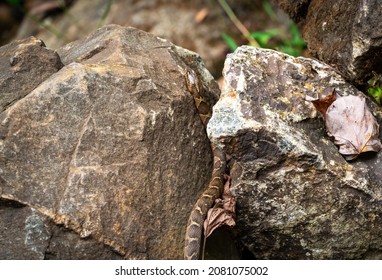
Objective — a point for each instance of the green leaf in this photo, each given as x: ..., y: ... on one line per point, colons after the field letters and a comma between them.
x: 263, y: 37
x: 231, y: 43
x: 290, y: 50
x: 376, y: 93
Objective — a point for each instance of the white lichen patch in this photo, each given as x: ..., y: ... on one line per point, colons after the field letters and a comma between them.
x: 227, y: 119
x: 359, y: 46
x: 153, y: 114
x: 358, y: 182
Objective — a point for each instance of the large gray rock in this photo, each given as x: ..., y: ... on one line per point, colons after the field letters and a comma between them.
x: 297, y: 197
x: 344, y: 33
x: 110, y: 147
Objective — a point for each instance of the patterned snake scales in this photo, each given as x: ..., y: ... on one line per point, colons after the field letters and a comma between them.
x: 214, y: 190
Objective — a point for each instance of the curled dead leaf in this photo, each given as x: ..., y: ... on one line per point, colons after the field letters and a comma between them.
x: 349, y: 121
x: 354, y: 128
x: 223, y: 212
x: 322, y: 102
x: 218, y: 217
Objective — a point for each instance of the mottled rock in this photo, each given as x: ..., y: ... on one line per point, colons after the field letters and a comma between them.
x: 297, y: 197
x: 24, y: 64
x: 110, y: 147
x: 343, y: 33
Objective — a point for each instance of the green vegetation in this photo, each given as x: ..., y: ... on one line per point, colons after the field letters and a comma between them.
x: 231, y: 43
x: 15, y: 3
x: 375, y: 87
x: 289, y: 41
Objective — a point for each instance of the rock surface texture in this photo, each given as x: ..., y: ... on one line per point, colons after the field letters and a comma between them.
x: 105, y: 158
x: 297, y: 197
x: 343, y: 33
x: 24, y: 65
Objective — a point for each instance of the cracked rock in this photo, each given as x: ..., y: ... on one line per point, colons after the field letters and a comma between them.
x: 110, y: 148
x: 297, y: 197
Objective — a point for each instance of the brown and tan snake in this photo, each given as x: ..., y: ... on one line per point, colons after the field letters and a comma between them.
x: 193, y: 238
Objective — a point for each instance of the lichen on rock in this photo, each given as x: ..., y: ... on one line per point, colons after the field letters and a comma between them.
x: 297, y: 197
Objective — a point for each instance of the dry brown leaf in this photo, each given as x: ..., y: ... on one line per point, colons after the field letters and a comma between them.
x: 217, y: 217
x: 201, y: 15
x: 354, y: 128
x: 322, y: 102
x: 350, y: 122
x: 223, y: 212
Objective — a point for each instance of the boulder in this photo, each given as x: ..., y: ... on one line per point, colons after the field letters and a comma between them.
x: 297, y: 197
x: 108, y: 155
x: 344, y: 33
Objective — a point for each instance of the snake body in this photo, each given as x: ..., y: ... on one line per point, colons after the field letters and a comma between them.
x: 193, y: 238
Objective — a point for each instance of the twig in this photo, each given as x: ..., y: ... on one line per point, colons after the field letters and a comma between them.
x: 238, y: 23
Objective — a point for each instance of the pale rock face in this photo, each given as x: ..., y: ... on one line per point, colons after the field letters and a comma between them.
x: 297, y: 197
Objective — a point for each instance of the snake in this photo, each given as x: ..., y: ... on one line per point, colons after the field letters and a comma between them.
x: 214, y: 190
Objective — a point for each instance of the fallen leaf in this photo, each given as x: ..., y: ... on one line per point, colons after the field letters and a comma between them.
x: 201, y: 15
x: 223, y: 212
x: 354, y: 128
x: 349, y: 121
x: 322, y: 102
